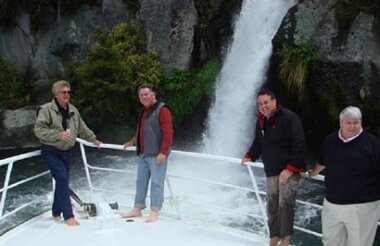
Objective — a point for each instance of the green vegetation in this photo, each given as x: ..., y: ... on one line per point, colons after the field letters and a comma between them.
x: 108, y: 78
x: 319, y: 111
x: 105, y: 82
x: 184, y: 89
x: 206, y: 11
x: 334, y: 101
x: 209, y: 9
x: 295, y: 63
x: 15, y: 87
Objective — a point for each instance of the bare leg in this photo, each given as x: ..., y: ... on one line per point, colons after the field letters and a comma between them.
x: 285, y: 241
x: 135, y: 212
x: 152, y: 217
x: 72, y: 222
x: 274, y: 241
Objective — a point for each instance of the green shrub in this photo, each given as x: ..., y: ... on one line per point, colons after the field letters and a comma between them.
x: 295, y: 62
x: 334, y: 100
x: 15, y: 87
x: 105, y: 83
x: 184, y: 89
x: 107, y: 80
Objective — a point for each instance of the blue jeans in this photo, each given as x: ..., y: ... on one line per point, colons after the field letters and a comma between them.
x: 58, y: 163
x: 148, y: 168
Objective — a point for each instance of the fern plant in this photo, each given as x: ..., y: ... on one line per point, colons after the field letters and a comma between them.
x: 295, y: 62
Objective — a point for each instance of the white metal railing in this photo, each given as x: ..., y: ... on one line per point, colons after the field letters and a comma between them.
x: 254, y: 190
x: 233, y: 160
x: 10, y: 163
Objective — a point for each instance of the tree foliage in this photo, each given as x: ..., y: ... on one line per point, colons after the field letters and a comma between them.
x: 15, y: 87
x: 108, y: 78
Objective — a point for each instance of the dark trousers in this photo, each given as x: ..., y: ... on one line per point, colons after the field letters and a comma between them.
x: 281, y: 200
x: 58, y: 163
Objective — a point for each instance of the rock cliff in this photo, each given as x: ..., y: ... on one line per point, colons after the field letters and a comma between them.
x: 348, y: 71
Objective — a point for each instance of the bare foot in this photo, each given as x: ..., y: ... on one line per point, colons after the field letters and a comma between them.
x: 72, y: 222
x: 285, y: 241
x: 136, y: 212
x: 152, y: 217
x: 274, y: 241
x: 57, y: 218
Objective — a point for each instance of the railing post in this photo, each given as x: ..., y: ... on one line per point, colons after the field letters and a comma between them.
x: 173, y: 198
x: 258, y: 197
x: 85, y: 163
x: 6, y: 184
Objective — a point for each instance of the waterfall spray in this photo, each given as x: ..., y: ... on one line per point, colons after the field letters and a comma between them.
x: 231, y: 117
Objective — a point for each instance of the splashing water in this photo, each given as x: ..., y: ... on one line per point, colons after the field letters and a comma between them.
x: 231, y: 118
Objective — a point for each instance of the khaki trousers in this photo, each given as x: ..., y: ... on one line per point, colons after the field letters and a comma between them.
x: 351, y: 224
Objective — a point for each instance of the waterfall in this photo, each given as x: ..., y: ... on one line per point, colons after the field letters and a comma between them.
x: 231, y: 118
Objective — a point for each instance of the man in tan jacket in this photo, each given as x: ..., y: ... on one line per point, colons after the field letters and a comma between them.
x: 57, y: 126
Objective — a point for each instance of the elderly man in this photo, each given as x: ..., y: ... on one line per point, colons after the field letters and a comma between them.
x: 280, y: 141
x: 57, y: 126
x: 154, y: 138
x: 351, y: 160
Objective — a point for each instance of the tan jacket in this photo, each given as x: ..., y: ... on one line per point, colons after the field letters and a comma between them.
x: 49, y: 124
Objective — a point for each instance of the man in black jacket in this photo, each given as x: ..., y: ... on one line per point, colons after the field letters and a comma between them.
x: 280, y: 141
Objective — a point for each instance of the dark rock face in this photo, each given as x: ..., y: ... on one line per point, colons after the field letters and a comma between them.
x: 66, y: 38
x: 347, y: 73
x: 169, y: 28
x: 17, y: 128
x: 357, y: 44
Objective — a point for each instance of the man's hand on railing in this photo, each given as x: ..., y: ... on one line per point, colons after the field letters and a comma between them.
x: 315, y: 170
x: 131, y: 142
x: 97, y: 143
x: 246, y: 158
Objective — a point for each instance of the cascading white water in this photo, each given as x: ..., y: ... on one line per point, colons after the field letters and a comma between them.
x: 231, y: 118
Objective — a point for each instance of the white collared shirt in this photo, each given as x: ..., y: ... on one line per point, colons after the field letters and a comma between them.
x: 346, y: 140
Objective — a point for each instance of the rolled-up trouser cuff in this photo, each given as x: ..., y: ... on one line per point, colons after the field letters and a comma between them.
x: 140, y: 205
x: 155, y: 209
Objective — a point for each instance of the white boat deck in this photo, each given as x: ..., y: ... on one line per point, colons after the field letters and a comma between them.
x: 42, y: 230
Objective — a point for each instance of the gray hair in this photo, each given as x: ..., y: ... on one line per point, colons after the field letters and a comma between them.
x: 58, y: 85
x: 350, y: 112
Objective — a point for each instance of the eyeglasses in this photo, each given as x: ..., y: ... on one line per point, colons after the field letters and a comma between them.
x: 65, y: 92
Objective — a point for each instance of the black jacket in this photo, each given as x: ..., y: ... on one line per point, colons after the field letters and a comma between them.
x: 280, y: 141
